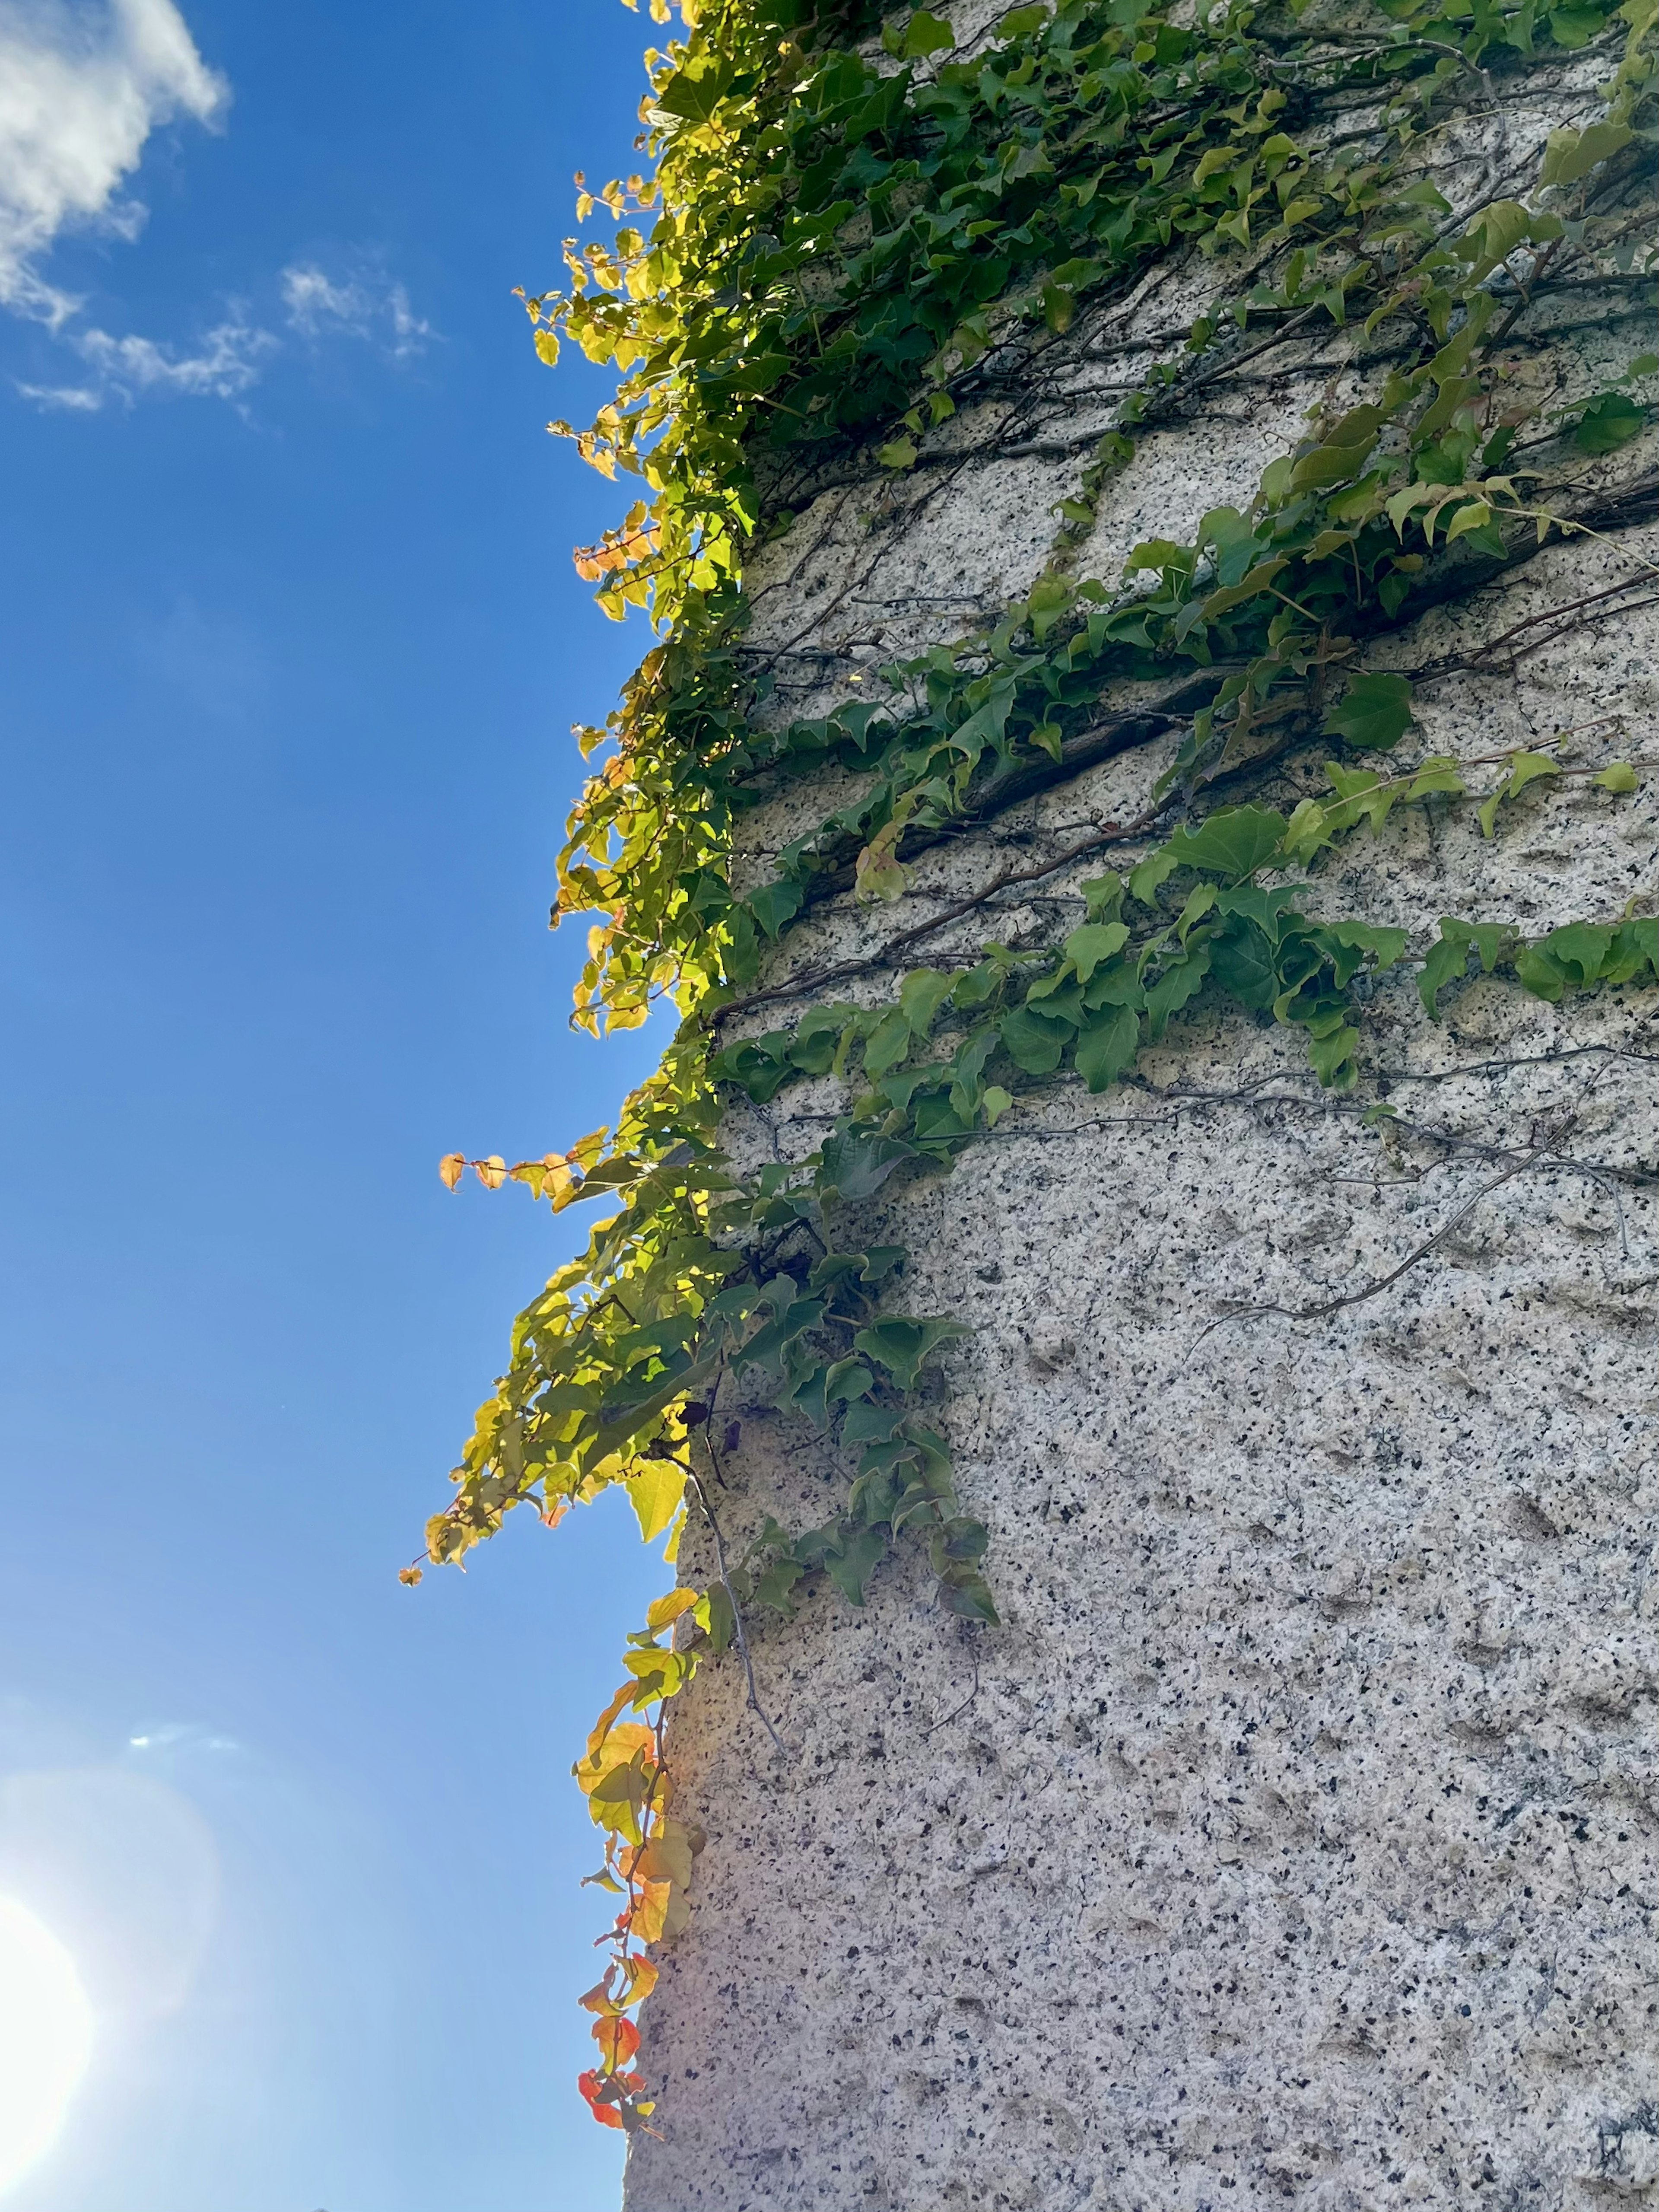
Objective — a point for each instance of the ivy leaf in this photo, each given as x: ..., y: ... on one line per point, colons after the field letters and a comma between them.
x: 1241, y: 961
x: 1568, y: 958
x: 1309, y: 830
x: 774, y: 1586
x: 1571, y: 154
x: 888, y: 1043
x: 1181, y: 981
x: 1610, y: 421
x: 1524, y: 768
x: 1331, y: 1050
x: 901, y: 1346
x: 1375, y: 711
x: 925, y: 35
x: 965, y: 1592
x: 1155, y: 869
x: 1448, y: 959
x: 1438, y: 773
x: 720, y: 1625
x: 1381, y: 946
x: 776, y: 903
x: 1362, y: 795
x: 619, y: 1427
x: 855, y: 1167
x: 1493, y: 236
x: 1234, y: 842
x: 1087, y: 947
x: 1103, y: 895
x: 879, y: 874
x: 921, y: 995
x: 695, y: 91
x: 1234, y: 595
x: 867, y: 1424
x: 766, y: 1347
x: 1033, y: 1040
x: 1108, y: 1046
x: 1620, y: 777
x: 1572, y: 27
x: 1475, y: 516
x: 851, y: 1567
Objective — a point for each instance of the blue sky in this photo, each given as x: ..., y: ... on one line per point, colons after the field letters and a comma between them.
x: 289, y: 651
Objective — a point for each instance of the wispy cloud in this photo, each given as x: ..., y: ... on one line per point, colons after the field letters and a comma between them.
x: 226, y: 365
x: 81, y: 86
x: 72, y: 398
x: 357, y: 307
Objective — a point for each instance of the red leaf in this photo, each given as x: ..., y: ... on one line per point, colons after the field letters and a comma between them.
x: 605, y: 2114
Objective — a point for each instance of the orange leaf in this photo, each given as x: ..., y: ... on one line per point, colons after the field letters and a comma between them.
x: 602, y: 2109
x: 646, y: 1921
x: 452, y: 1167
x: 492, y: 1172
x: 618, y: 2039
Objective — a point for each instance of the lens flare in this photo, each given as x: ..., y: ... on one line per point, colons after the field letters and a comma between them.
x: 46, y: 2038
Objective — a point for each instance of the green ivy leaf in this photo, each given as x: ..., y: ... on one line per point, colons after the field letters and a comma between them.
x: 1375, y: 711
x: 695, y: 93
x: 1241, y: 961
x: 850, y: 1567
x: 965, y: 1592
x: 1448, y: 959
x: 921, y: 995
x: 1610, y: 421
x: 1157, y: 866
x: 1034, y: 1041
x: 1331, y: 1052
x: 901, y: 1346
x: 1108, y: 1046
x: 1571, y: 154
x: 1233, y: 842
x: 1573, y: 28
x: 1087, y: 947
x: 855, y: 1167
x: 1524, y: 768
x: 1620, y: 777
x: 776, y: 903
x: 925, y: 35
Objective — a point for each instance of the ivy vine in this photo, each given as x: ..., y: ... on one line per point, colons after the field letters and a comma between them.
x: 852, y: 228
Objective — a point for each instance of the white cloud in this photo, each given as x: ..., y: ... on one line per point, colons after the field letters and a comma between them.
x: 355, y: 307
x: 74, y: 398
x: 226, y: 365
x: 81, y: 86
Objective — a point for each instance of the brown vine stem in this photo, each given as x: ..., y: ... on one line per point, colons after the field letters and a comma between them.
x: 737, y: 1635
x: 1109, y: 833
x: 956, y: 1712
x: 1538, y: 1151
x: 1433, y: 671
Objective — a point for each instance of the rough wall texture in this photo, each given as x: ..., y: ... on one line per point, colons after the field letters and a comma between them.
x: 1295, y: 1838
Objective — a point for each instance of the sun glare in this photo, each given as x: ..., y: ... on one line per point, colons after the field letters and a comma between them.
x: 46, y: 2038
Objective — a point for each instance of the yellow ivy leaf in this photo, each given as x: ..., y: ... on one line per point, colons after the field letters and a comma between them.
x: 656, y: 1490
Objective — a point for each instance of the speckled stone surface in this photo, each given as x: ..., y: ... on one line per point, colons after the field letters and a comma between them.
x: 1296, y: 1838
